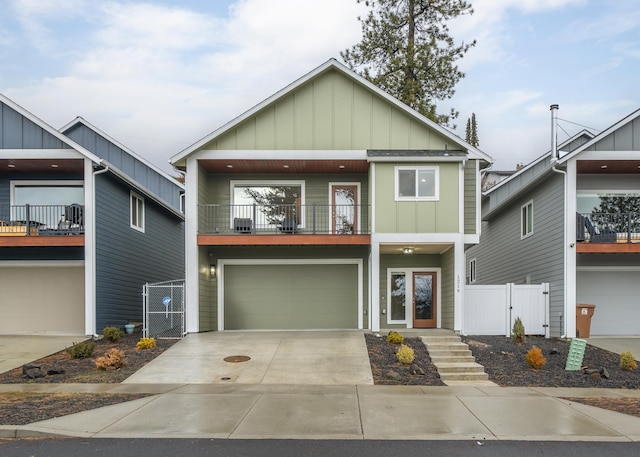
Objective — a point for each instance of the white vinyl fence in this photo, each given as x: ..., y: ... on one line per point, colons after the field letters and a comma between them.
x: 492, y: 309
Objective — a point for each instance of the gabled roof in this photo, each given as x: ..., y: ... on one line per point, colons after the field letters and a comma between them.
x: 52, y: 131
x: 81, y: 121
x: 331, y: 64
x: 602, y: 135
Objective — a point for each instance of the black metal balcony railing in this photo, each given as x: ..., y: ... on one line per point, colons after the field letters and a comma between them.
x: 608, y: 227
x: 41, y: 220
x: 264, y: 219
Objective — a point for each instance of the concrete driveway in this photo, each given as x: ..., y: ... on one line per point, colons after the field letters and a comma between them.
x: 617, y: 344
x: 297, y: 357
x: 16, y: 350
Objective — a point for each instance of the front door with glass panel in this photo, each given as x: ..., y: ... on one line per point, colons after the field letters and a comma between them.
x: 424, y: 300
x: 344, y: 214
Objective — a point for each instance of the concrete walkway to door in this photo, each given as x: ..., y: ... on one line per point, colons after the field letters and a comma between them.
x: 296, y: 357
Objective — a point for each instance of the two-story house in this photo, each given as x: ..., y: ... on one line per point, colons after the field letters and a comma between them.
x: 84, y: 223
x: 330, y: 205
x: 571, y: 219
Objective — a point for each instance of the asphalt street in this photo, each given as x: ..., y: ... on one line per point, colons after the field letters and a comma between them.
x: 161, y: 447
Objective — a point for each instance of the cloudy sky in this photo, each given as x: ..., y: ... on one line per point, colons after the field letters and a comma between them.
x: 159, y: 75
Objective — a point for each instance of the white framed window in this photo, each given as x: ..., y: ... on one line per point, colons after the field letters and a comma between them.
x: 136, y: 211
x: 472, y: 271
x: 182, y: 202
x: 48, y: 196
x: 417, y: 183
x: 526, y: 219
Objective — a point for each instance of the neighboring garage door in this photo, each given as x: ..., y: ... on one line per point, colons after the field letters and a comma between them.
x: 36, y: 299
x: 615, y: 294
x: 290, y: 297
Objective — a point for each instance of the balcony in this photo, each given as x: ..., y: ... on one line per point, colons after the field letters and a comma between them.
x: 283, y: 224
x: 41, y: 225
x: 608, y: 232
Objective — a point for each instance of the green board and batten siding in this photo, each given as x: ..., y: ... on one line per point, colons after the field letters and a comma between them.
x: 440, y: 216
x: 471, y: 196
x: 330, y: 112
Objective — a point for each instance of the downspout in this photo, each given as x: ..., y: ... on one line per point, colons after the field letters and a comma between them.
x: 554, y: 160
x: 93, y: 241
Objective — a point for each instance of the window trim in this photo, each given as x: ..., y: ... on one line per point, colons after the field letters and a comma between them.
x: 136, y: 225
x: 416, y: 169
x: 526, y: 220
x: 473, y: 266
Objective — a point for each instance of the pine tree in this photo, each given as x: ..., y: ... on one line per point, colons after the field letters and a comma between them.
x: 471, y: 132
x: 407, y: 50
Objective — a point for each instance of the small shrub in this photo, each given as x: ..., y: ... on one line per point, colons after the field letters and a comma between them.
x: 535, y: 359
x: 146, y: 343
x: 627, y: 361
x: 395, y: 337
x: 405, y: 354
x: 111, y: 360
x: 112, y: 333
x: 517, y: 333
x: 81, y: 350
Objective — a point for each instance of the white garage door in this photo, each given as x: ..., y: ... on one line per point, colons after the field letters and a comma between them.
x: 35, y: 299
x: 616, y: 295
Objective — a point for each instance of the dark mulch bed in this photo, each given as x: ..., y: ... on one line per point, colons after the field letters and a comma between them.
x: 84, y: 370
x: 388, y: 371
x: 506, y: 365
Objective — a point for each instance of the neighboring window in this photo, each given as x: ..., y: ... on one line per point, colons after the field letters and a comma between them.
x: 182, y: 202
x: 137, y: 212
x: 47, y: 199
x: 270, y: 202
x: 472, y: 271
x: 526, y: 220
x: 417, y: 183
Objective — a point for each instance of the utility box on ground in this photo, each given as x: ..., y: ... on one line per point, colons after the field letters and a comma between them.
x: 584, y: 313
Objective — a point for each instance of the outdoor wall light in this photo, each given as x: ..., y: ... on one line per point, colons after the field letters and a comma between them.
x: 407, y: 250
x: 212, y: 271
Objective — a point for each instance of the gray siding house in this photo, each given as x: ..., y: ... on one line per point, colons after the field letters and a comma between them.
x: 84, y: 223
x: 571, y: 220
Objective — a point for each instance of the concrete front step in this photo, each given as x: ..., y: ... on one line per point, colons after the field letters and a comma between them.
x: 454, y: 361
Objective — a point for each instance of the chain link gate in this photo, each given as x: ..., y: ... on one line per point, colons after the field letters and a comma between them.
x: 164, y: 309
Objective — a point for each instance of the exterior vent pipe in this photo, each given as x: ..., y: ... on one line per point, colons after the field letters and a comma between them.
x: 554, y: 132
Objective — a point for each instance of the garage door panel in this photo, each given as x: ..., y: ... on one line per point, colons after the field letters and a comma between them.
x: 615, y: 294
x: 290, y: 296
x: 42, y: 299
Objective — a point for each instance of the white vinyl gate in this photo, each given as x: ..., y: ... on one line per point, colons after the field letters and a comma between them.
x: 164, y: 310
x: 492, y: 309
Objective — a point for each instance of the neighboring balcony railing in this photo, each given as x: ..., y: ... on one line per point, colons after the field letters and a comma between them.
x: 608, y: 227
x: 41, y: 220
x: 314, y: 219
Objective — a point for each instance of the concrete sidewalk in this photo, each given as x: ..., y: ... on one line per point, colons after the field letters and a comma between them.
x: 338, y: 412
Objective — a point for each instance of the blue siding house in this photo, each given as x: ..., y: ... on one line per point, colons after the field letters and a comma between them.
x: 84, y: 223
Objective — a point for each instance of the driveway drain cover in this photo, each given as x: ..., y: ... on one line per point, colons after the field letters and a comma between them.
x: 237, y: 358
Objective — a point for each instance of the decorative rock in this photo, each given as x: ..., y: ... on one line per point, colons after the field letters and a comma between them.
x: 55, y: 370
x: 33, y: 373
x: 604, y: 373
x: 393, y: 376
x: 553, y: 351
x: 29, y: 366
x: 415, y: 369
x: 591, y: 371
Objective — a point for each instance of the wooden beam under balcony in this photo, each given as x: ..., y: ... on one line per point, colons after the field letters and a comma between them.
x: 282, y: 239
x: 27, y: 241
x: 608, y: 248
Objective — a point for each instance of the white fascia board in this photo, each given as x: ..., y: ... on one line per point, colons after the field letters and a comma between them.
x: 81, y: 120
x: 41, y: 263
x: 41, y: 154
x: 471, y: 239
x: 252, y: 154
x: 609, y: 155
x: 40, y: 123
x: 417, y: 159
